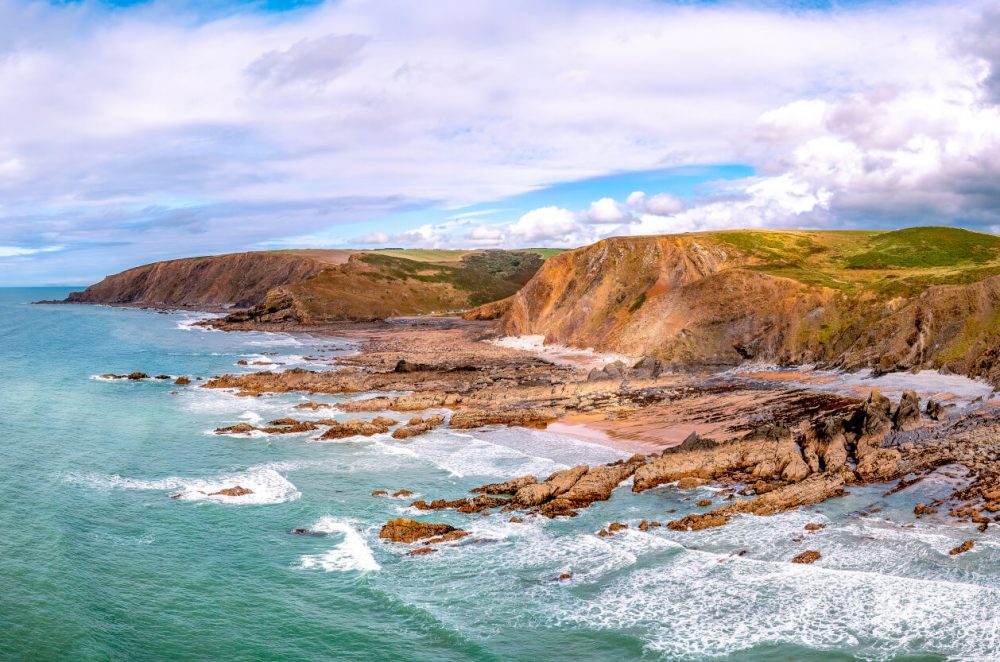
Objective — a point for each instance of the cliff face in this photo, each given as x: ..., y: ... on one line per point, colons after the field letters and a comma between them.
x: 238, y: 279
x: 315, y: 287
x: 725, y: 298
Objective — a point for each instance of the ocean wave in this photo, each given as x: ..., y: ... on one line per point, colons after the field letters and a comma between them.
x: 267, y: 484
x: 351, y: 554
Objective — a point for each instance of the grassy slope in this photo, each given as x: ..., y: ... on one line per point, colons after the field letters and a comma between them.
x: 899, y: 262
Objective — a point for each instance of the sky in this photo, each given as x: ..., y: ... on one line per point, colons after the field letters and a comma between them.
x: 135, y: 131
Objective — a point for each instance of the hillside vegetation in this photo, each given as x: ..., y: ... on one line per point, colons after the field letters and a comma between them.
x: 892, y: 300
x: 304, y: 287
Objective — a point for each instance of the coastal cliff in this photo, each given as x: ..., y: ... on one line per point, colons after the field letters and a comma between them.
x: 915, y: 298
x: 304, y: 288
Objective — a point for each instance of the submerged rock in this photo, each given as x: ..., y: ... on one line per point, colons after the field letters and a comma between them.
x: 235, y: 491
x: 808, y: 556
x: 963, y: 548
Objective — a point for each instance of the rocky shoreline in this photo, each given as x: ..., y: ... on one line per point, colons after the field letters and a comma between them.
x: 773, y: 447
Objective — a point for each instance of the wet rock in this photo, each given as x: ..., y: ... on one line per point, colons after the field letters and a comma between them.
x: 162, y: 377
x: 235, y: 491
x: 963, y: 548
x: 313, y: 406
x: 465, y: 419
x: 420, y: 551
x: 384, y: 421
x: 353, y: 428
x: 242, y: 362
x: 507, y: 487
x: 698, y: 522
x: 814, y: 489
x: 516, y: 520
x: 704, y: 502
x: 808, y: 556
x: 380, y: 493
x: 907, y: 415
x: 615, y: 527
x: 417, y: 426
x: 923, y: 509
x: 299, y: 532
x: 762, y: 456
x: 407, y: 530
x: 556, y: 484
x: 239, y: 428
x: 596, y: 484
x: 182, y: 381
x: 137, y: 375
x: 402, y: 493
x: 566, y: 575
x: 813, y: 526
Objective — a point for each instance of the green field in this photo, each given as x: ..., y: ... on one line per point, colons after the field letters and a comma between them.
x: 888, y: 262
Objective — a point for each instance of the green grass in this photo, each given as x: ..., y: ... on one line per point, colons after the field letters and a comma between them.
x: 927, y: 247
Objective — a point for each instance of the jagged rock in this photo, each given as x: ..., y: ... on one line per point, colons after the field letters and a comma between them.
x: 698, y: 522
x: 418, y: 426
x: 647, y: 368
x: 935, y: 410
x: 352, y: 428
x: 235, y: 491
x: 704, y: 503
x: 923, y: 509
x: 182, y: 381
x: 808, y: 556
x: 595, y: 485
x: 824, y: 446
x: 507, y: 487
x: 760, y: 455
x: 690, y: 482
x: 814, y: 489
x: 614, y: 527
x: 137, y: 375
x: 614, y: 370
x: 402, y: 493
x: 239, y: 428
x: 963, y: 548
x: 530, y: 416
x: 407, y: 530
x: 872, y: 418
x: 556, y: 484
x: 313, y: 406
x: 907, y: 415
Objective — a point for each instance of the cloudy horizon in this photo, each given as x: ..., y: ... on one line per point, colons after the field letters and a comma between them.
x: 140, y: 131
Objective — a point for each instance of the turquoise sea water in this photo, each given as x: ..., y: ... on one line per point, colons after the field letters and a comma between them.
x: 98, y: 563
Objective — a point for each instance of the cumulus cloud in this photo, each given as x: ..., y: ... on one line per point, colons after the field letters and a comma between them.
x: 174, y: 135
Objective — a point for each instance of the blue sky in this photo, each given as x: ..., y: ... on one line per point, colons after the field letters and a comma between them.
x: 139, y: 131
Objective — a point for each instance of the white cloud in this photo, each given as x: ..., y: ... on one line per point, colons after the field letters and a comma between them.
x: 545, y: 224
x: 372, y: 238
x: 179, y: 136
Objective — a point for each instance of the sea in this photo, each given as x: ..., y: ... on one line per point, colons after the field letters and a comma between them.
x: 99, y: 562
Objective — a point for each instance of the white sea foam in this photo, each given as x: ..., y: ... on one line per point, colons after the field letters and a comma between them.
x: 267, y: 484
x: 351, y: 554
x: 562, y: 354
x: 681, y: 607
x: 465, y: 455
x: 191, y: 324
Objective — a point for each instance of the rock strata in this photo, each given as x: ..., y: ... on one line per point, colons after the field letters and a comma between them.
x: 406, y: 530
